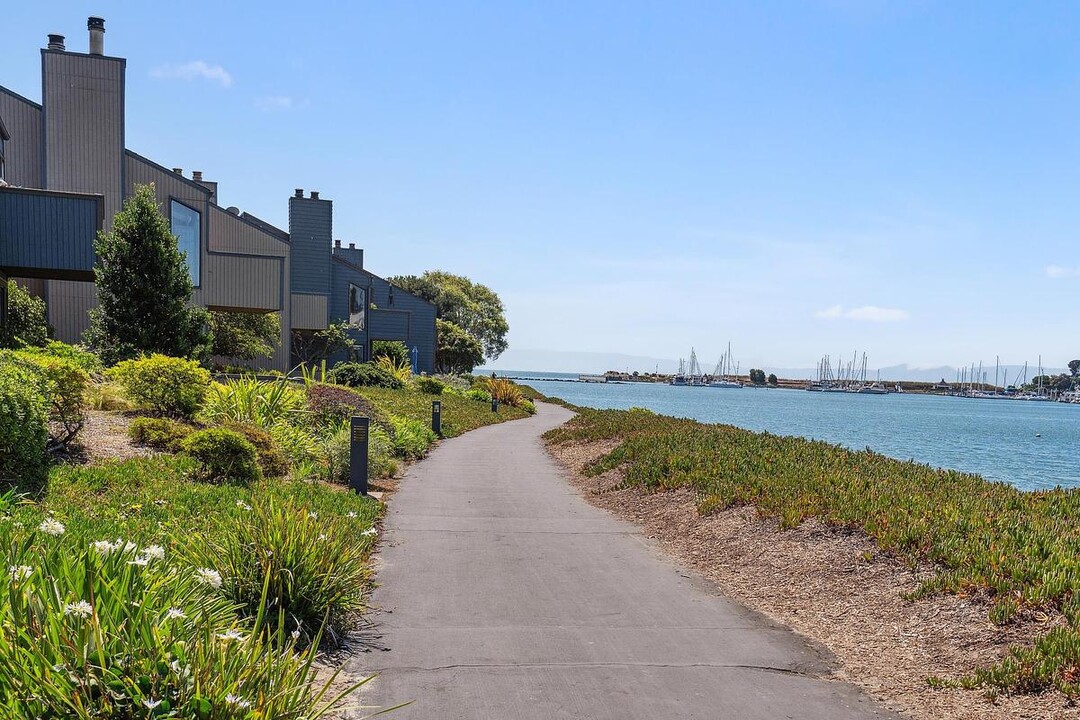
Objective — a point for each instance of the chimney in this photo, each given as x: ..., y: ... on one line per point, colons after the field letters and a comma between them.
x: 352, y: 246
x: 56, y: 42
x: 196, y: 175
x: 298, y: 192
x: 337, y: 244
x: 314, y: 194
x: 96, y: 26
x: 179, y: 171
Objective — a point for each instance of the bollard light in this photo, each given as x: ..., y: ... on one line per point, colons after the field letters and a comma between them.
x: 436, y: 417
x: 494, y: 405
x: 358, y: 454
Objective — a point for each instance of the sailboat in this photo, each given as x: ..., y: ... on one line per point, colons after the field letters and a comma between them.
x: 680, y: 377
x: 722, y: 376
x: 697, y: 378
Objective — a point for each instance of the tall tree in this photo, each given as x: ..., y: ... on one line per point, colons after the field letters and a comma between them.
x: 457, y: 351
x: 473, y: 307
x: 144, y: 290
x: 1074, y: 367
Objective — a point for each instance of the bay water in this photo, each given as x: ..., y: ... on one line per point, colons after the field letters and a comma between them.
x: 1032, y: 445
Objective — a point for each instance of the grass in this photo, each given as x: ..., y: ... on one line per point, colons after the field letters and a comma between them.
x: 1017, y: 548
x: 459, y: 414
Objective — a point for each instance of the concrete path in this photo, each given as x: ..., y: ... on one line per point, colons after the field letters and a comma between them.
x: 507, y: 596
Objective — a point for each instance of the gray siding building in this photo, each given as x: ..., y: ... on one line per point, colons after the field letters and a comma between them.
x: 65, y: 171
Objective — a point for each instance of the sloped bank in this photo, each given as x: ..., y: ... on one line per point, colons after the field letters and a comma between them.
x: 876, y: 559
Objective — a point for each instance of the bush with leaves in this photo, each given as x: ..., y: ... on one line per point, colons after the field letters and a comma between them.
x: 63, y: 383
x: 23, y: 426
x: 364, y: 375
x: 159, y: 433
x: 381, y: 463
x: 457, y: 351
x: 27, y: 320
x: 479, y: 395
x: 223, y: 456
x: 245, y: 336
x: 144, y: 288
x: 430, y: 385
x: 393, y: 349
x: 168, y: 385
x: 330, y: 405
x: 272, y: 461
x: 311, y: 346
x: 402, y: 372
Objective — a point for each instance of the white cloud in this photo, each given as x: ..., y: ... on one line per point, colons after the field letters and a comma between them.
x: 274, y: 102
x: 194, y: 70
x: 1057, y: 271
x: 866, y: 313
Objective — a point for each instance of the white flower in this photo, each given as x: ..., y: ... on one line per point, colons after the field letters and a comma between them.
x: 160, y: 501
x: 370, y: 531
x: 295, y: 635
x: 242, y: 504
x: 20, y: 572
x: 175, y: 614
x: 322, y: 536
x: 81, y: 609
x: 141, y: 561
x: 233, y: 634
x: 51, y: 526
x: 238, y: 701
x: 154, y: 552
x: 151, y: 704
x: 210, y: 577
x: 313, y: 515
x: 350, y: 514
x: 104, y: 547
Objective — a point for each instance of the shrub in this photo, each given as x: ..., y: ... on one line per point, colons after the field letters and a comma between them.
x: 364, y: 375
x: 401, y: 371
x: 77, y: 354
x: 528, y: 406
x: 330, y: 405
x: 411, y: 438
x: 27, y: 321
x: 168, y: 385
x: 116, y: 631
x: 300, y: 446
x: 272, y: 460
x: 430, y: 385
x: 23, y: 429
x: 393, y: 349
x: 381, y: 463
x: 159, y: 433
x: 479, y: 395
x: 313, y: 566
x: 222, y: 455
x: 64, y: 384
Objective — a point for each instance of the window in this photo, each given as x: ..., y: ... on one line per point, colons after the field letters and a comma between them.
x: 357, y: 306
x: 187, y: 227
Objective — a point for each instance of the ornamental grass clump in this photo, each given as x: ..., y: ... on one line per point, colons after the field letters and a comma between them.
x: 109, y: 630
x: 255, y: 402
x: 311, y: 565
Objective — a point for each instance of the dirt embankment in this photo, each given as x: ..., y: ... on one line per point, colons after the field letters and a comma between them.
x: 838, y: 589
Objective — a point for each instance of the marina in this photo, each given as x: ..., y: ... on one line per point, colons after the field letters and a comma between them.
x: 1031, y: 445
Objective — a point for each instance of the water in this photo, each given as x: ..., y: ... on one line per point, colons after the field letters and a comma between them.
x: 1032, y: 445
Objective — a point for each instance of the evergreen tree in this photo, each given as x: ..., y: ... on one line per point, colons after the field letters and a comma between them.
x: 27, y: 323
x: 144, y: 289
x: 457, y: 351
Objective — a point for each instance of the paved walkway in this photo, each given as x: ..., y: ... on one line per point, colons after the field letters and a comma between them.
x: 507, y: 596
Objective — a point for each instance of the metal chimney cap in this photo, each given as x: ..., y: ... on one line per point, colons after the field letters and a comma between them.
x: 337, y: 243
x: 178, y: 171
x: 196, y: 175
x: 95, y: 23
x: 298, y: 192
x: 56, y: 42
x: 314, y: 194
x: 352, y: 246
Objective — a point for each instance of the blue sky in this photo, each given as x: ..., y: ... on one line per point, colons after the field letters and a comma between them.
x: 799, y: 178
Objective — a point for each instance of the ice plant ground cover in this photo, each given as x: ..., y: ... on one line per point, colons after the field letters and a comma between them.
x: 114, y: 628
x: 1018, y: 549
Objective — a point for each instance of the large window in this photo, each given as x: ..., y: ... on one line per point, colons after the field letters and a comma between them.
x: 187, y: 227
x: 357, y: 306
